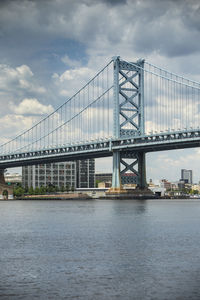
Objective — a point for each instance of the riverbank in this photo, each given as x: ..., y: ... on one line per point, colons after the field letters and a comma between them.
x: 63, y: 196
x: 83, y: 196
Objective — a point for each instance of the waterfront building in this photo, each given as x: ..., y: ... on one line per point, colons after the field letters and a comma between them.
x: 164, y: 183
x: 158, y: 191
x: 196, y: 187
x: 103, y: 177
x: 186, y: 175
x: 104, y: 184
x: 181, y: 185
x: 13, y: 178
x: 85, y: 173
x: 72, y: 174
x: 107, y: 179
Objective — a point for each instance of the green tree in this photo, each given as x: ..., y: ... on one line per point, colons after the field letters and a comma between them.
x: 194, y: 192
x: 18, y: 191
x: 51, y: 189
x: 42, y: 190
x: 67, y: 188
x: 26, y: 189
x: 37, y: 191
x: 62, y: 189
x: 31, y: 191
x: 56, y: 189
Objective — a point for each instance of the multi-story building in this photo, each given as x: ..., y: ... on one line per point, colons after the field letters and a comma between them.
x: 186, y: 175
x: 85, y: 173
x: 73, y: 174
x: 164, y: 183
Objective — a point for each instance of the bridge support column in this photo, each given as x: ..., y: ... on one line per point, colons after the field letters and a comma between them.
x: 6, y: 192
x: 116, y: 179
x: 142, y: 184
x: 116, y: 176
x: 2, y: 179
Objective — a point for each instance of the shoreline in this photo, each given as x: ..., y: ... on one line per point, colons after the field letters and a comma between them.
x: 86, y: 197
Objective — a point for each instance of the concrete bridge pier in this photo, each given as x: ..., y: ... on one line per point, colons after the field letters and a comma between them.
x: 116, y: 176
x: 6, y: 192
x: 2, y: 179
x: 142, y: 183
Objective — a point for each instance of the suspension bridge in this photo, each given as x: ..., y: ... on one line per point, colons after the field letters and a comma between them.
x: 125, y: 111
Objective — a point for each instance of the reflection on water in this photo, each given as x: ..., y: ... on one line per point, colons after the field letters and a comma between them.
x: 100, y: 249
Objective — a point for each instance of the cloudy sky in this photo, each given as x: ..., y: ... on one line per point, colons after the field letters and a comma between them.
x: 41, y: 42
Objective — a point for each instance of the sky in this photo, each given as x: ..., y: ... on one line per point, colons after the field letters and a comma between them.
x: 41, y: 42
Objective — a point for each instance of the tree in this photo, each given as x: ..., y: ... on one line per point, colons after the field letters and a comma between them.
x: 67, y: 188
x: 56, y: 189
x: 194, y: 192
x: 31, y: 191
x: 37, y: 191
x: 18, y: 191
x: 43, y: 190
x: 62, y: 189
x: 51, y: 189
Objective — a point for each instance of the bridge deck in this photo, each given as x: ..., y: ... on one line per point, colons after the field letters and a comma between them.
x: 104, y: 148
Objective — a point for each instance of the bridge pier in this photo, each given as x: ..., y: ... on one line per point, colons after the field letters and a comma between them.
x: 116, y: 178
x: 119, y: 177
x: 6, y: 192
x: 142, y: 183
x: 116, y: 175
x: 2, y: 179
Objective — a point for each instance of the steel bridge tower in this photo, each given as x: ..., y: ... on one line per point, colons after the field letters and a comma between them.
x: 128, y: 121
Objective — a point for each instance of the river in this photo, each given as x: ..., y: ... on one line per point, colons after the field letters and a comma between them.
x: 100, y: 249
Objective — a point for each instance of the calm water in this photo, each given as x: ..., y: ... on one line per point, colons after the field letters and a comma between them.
x: 100, y: 249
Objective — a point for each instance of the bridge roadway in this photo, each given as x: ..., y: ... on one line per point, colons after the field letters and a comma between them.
x: 103, y: 148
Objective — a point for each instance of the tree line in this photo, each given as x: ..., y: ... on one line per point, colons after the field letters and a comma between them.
x: 19, y: 190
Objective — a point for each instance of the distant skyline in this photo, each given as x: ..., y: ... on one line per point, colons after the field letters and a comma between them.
x: 50, y: 48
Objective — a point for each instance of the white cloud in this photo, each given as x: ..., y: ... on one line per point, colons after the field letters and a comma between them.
x: 76, y: 74
x: 31, y: 106
x: 25, y: 71
x: 17, y: 79
x: 70, y: 81
x: 71, y: 62
x: 13, y: 77
x: 11, y: 125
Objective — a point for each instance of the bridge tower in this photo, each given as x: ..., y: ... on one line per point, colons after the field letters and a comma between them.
x: 128, y: 118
